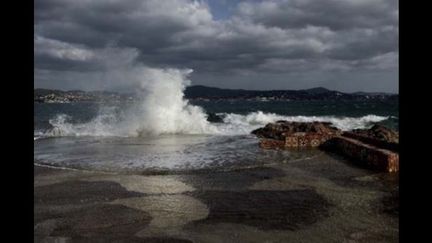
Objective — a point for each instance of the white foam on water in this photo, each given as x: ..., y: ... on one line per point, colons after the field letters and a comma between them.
x: 241, y: 124
x: 164, y: 110
x: 234, y: 124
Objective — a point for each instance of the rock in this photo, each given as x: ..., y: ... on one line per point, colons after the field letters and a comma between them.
x: 212, y: 117
x: 366, y: 154
x: 376, y: 148
x: 378, y: 136
x: 379, y: 132
x: 295, y: 134
x: 271, y: 144
x: 281, y: 129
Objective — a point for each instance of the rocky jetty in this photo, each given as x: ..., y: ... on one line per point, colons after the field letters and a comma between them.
x: 376, y: 148
x: 378, y: 136
x: 365, y: 154
x: 280, y: 129
x: 283, y: 134
x: 379, y: 132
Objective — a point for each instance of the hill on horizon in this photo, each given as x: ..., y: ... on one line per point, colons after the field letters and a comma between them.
x: 201, y: 91
x: 205, y: 92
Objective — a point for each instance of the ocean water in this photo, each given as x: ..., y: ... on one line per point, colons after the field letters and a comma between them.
x: 160, y: 133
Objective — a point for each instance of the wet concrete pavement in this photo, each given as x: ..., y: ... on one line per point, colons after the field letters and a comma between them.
x: 321, y: 199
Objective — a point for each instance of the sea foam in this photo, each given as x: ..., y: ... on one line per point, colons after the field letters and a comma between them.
x: 246, y: 123
x: 162, y: 109
x: 233, y: 124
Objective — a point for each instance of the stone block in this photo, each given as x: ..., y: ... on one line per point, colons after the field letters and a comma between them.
x: 370, y: 156
x: 271, y: 144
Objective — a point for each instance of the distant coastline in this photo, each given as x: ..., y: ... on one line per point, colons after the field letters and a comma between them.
x: 199, y: 92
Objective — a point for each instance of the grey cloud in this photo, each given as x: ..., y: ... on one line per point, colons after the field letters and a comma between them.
x: 282, y: 37
x: 59, y: 55
x: 335, y: 14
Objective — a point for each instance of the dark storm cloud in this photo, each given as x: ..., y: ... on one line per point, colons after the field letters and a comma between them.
x: 334, y: 14
x: 282, y: 37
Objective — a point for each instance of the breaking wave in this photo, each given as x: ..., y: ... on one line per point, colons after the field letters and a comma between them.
x: 233, y: 124
x: 246, y: 123
x: 164, y: 110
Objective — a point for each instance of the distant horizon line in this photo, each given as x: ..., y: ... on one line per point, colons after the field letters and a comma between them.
x: 318, y: 87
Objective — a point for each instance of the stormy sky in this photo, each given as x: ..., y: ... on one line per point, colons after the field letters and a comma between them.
x: 346, y: 45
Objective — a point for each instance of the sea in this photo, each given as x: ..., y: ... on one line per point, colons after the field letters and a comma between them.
x: 164, y: 132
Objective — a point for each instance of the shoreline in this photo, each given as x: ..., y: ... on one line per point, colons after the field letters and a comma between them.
x: 167, y: 171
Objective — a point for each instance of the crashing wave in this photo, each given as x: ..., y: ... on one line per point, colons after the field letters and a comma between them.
x: 251, y: 121
x: 233, y: 124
